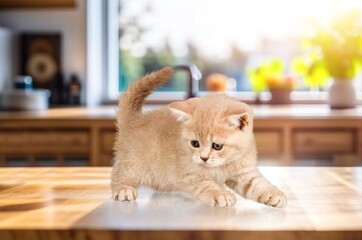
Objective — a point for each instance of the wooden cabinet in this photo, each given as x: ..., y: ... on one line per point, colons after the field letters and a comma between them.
x: 268, y: 142
x: 106, y: 146
x: 337, y: 139
x: 13, y: 141
x: 88, y: 134
x: 44, y: 141
x: 74, y: 142
x: 55, y: 144
x: 324, y: 142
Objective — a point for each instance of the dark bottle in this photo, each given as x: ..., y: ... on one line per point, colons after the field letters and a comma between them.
x: 57, y: 96
x: 74, y: 89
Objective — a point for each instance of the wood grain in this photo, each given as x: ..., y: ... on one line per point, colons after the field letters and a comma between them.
x: 74, y: 203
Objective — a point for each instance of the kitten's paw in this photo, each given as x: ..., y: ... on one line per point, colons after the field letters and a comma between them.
x: 126, y: 193
x: 274, y: 198
x: 221, y: 199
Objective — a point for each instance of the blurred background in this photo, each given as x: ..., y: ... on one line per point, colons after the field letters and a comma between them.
x: 233, y: 37
x: 63, y: 64
x: 241, y: 40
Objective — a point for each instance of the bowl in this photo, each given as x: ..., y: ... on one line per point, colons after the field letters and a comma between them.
x: 34, y: 100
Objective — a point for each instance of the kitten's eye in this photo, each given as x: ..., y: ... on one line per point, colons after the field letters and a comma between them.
x: 195, y: 143
x: 217, y: 147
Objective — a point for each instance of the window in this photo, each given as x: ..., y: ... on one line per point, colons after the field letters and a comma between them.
x: 227, y: 37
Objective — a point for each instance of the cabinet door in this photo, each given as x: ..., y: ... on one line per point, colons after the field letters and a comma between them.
x: 107, y: 141
x: 327, y: 142
x: 268, y: 142
x: 43, y: 141
x: 13, y: 142
x: 106, y: 145
x: 74, y: 142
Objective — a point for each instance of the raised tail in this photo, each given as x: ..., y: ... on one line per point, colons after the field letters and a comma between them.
x: 132, y: 100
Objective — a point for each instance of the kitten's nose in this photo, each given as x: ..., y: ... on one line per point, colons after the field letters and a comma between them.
x: 204, y: 158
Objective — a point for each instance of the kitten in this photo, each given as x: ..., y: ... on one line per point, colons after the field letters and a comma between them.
x: 194, y: 146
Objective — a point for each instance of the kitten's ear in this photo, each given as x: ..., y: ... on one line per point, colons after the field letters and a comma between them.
x: 183, y: 110
x: 240, y: 121
x: 180, y: 115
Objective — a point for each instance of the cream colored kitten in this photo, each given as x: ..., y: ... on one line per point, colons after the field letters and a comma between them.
x: 194, y: 146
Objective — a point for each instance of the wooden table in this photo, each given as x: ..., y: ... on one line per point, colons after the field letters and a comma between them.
x: 74, y: 203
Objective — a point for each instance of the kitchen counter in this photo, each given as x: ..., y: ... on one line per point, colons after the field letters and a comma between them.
x: 283, y: 133
x: 74, y: 203
x: 261, y: 112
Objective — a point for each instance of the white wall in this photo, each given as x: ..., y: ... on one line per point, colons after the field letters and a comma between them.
x: 5, y: 57
x: 96, y: 58
x: 71, y: 22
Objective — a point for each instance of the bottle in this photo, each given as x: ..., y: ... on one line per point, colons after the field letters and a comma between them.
x: 24, y: 83
x: 58, y: 89
x: 74, y: 88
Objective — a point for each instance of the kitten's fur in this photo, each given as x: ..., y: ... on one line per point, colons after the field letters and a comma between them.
x: 154, y: 148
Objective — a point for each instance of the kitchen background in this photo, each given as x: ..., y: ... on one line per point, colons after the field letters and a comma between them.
x: 68, y: 21
x: 64, y: 62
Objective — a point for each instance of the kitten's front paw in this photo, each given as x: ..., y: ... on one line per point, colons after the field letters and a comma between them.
x: 126, y: 193
x: 220, y: 199
x: 274, y: 198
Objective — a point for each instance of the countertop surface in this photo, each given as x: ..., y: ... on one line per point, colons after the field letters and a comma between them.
x: 322, y: 202
x: 261, y: 112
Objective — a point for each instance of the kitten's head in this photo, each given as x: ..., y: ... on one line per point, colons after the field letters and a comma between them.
x: 216, y: 129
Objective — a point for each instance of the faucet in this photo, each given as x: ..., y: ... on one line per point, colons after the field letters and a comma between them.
x: 194, y: 75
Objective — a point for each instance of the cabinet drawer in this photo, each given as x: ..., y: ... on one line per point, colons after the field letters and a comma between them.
x: 39, y: 142
x: 74, y: 138
x: 39, y: 139
x: 13, y: 138
x: 323, y: 142
x: 268, y: 142
x: 107, y: 141
x: 74, y: 141
x: 13, y: 142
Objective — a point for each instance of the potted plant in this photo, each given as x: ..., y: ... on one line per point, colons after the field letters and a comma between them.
x: 270, y: 76
x: 312, y: 69
x: 340, y: 45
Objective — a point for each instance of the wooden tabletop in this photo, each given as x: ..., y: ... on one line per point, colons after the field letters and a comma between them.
x: 75, y: 203
x: 314, y: 111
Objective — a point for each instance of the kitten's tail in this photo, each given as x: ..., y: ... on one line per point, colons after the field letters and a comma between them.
x: 132, y: 100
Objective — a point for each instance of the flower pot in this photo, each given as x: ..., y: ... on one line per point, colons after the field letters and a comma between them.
x: 342, y: 95
x: 280, y: 96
